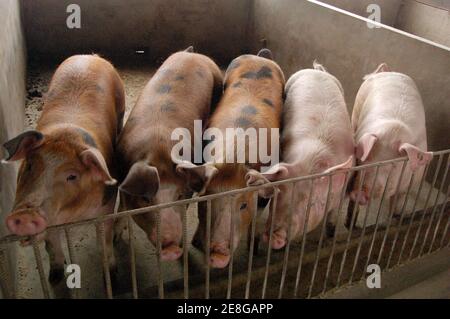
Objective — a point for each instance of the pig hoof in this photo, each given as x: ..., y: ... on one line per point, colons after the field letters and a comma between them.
x: 219, y: 260
x: 56, y: 275
x: 171, y: 253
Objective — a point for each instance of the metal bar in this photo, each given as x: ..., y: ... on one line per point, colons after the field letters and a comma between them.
x: 269, y: 246
x: 100, y: 227
x: 353, y: 222
x: 305, y: 228
x: 436, y: 173
x: 208, y: 247
x: 438, y: 195
x: 158, y: 256
x: 377, y: 220
x: 444, y: 233
x: 154, y: 208
x: 392, y: 207
x: 40, y: 267
x: 288, y: 244
x: 333, y: 246
x: 402, y: 214
x: 5, y: 278
x: 132, y: 257
x: 441, y: 215
x: 230, y: 265
x: 369, y: 204
x: 319, y: 246
x: 252, y: 245
x: 185, y: 254
x: 72, y: 260
x: 413, y: 213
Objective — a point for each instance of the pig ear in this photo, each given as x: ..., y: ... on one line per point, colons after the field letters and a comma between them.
x: 275, y: 173
x: 365, y: 145
x: 338, y: 178
x: 95, y: 161
x: 142, y: 180
x: 265, y: 53
x: 198, y: 177
x: 19, y: 146
x: 416, y: 156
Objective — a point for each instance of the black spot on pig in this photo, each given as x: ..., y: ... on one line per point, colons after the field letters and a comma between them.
x: 164, y: 89
x: 87, y: 138
x: 168, y: 107
x: 233, y: 65
x: 242, y: 122
x: 179, y: 78
x: 268, y: 102
x: 200, y: 73
x: 237, y: 85
x: 249, y: 110
x: 99, y: 88
x: 264, y: 72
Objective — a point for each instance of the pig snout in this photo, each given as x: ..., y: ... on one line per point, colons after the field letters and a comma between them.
x: 279, y: 238
x: 170, y: 235
x: 26, y: 223
x: 360, y: 197
x: 220, y: 255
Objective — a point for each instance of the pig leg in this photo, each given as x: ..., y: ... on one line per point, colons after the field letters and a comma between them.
x: 56, y: 256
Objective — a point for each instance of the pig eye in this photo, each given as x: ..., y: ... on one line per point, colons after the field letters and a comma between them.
x: 243, y: 206
x: 71, y: 177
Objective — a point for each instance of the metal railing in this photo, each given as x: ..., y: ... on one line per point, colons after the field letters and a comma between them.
x: 305, y: 268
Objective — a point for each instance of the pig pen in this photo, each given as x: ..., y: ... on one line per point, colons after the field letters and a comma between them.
x: 297, y: 32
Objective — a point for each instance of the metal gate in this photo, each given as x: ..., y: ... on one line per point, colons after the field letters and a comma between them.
x: 305, y: 268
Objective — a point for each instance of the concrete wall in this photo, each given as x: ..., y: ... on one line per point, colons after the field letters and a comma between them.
x: 12, y: 99
x: 426, y: 21
x: 389, y: 8
x: 299, y: 32
x: 117, y: 27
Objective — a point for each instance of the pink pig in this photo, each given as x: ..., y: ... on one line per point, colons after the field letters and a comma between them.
x: 389, y: 122
x: 317, y: 138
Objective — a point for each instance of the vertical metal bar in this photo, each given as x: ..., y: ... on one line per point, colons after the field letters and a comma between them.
x: 413, y: 213
x: 288, y: 244
x: 5, y: 278
x: 71, y: 250
x: 230, y: 265
x: 208, y: 247
x: 305, y: 228
x: 40, y: 267
x: 158, y: 254
x: 392, y: 206
x: 369, y: 204
x: 436, y: 173
x: 316, y: 263
x: 402, y: 214
x: 438, y: 195
x: 377, y: 220
x: 185, y: 254
x: 333, y: 246
x: 252, y: 245
x: 132, y: 257
x: 353, y: 222
x: 269, y: 246
x: 444, y: 233
x: 441, y: 215
x: 102, y: 242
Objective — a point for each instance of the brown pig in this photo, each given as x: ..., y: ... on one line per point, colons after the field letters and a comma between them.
x: 180, y: 92
x: 252, y: 99
x: 64, y: 175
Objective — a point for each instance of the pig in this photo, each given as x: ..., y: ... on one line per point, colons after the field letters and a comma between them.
x: 65, y: 174
x: 317, y: 138
x: 252, y: 98
x: 389, y: 122
x: 180, y: 92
